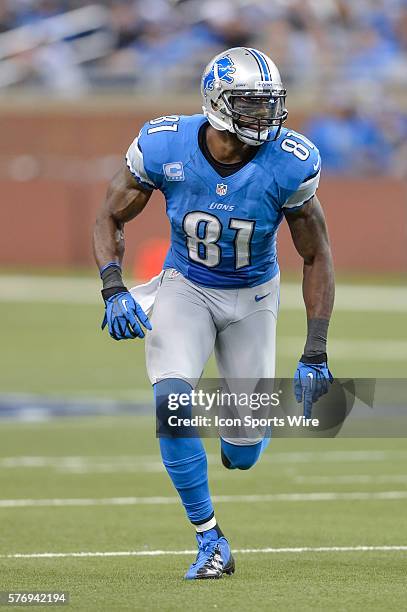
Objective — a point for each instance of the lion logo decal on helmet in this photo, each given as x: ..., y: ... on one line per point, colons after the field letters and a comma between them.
x: 224, y: 67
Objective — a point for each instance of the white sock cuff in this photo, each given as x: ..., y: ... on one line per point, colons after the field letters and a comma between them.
x: 205, y: 526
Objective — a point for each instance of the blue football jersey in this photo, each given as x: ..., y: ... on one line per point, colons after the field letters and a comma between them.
x: 223, y: 230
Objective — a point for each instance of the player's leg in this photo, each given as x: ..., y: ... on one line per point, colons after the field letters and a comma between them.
x: 245, y: 349
x: 177, y: 349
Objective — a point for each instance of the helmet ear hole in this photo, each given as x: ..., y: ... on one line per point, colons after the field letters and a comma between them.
x: 215, y: 105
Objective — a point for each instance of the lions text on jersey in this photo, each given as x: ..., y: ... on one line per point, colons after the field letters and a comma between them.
x: 223, y: 229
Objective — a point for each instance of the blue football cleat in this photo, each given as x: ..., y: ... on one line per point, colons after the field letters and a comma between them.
x: 214, y: 557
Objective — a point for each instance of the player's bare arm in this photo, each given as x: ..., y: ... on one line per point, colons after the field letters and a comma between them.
x: 310, y: 236
x: 125, y: 199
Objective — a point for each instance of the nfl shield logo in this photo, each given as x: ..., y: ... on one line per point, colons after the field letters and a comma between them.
x: 221, y: 189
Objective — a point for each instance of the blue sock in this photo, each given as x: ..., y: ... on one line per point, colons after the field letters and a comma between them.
x: 184, y: 458
x: 243, y: 457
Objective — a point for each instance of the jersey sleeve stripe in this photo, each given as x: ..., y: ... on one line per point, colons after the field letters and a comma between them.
x: 135, y: 163
x: 305, y: 192
x: 139, y: 180
x: 311, y: 178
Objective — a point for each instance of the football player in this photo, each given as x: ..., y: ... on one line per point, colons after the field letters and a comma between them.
x: 229, y: 177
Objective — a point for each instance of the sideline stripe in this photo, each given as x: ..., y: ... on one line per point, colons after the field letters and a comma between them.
x: 70, y: 290
x: 239, y: 551
x: 156, y: 501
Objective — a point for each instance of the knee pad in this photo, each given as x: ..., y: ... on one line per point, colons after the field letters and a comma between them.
x: 165, y: 393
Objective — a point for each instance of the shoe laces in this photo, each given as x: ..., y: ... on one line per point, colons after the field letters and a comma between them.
x: 205, y: 548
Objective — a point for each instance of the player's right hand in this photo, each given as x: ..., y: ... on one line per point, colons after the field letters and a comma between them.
x: 123, y: 317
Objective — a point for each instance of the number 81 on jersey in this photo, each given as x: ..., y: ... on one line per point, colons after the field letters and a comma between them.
x: 203, y: 233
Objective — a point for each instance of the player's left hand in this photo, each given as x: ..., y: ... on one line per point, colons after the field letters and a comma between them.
x: 123, y: 317
x: 311, y: 381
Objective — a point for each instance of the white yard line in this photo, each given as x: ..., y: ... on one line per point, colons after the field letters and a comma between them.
x: 47, y: 289
x: 351, y: 479
x: 84, y: 465
x: 358, y: 349
x: 152, y: 462
x: 239, y: 551
x: 365, y: 298
x: 109, y: 465
x: 351, y: 298
x: 245, y: 499
x: 331, y: 456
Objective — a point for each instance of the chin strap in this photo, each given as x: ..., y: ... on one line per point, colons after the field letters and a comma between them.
x: 254, y: 142
x: 248, y: 140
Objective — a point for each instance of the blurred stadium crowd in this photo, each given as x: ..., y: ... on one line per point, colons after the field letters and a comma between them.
x: 347, y: 59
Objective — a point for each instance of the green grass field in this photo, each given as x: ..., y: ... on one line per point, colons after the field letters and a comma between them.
x: 96, y: 484
x: 58, y: 348
x: 106, y: 457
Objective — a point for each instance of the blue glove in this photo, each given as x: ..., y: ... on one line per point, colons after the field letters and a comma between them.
x: 311, y: 381
x: 123, y: 317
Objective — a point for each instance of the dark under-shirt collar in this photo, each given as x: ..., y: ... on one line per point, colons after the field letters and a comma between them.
x: 222, y: 169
